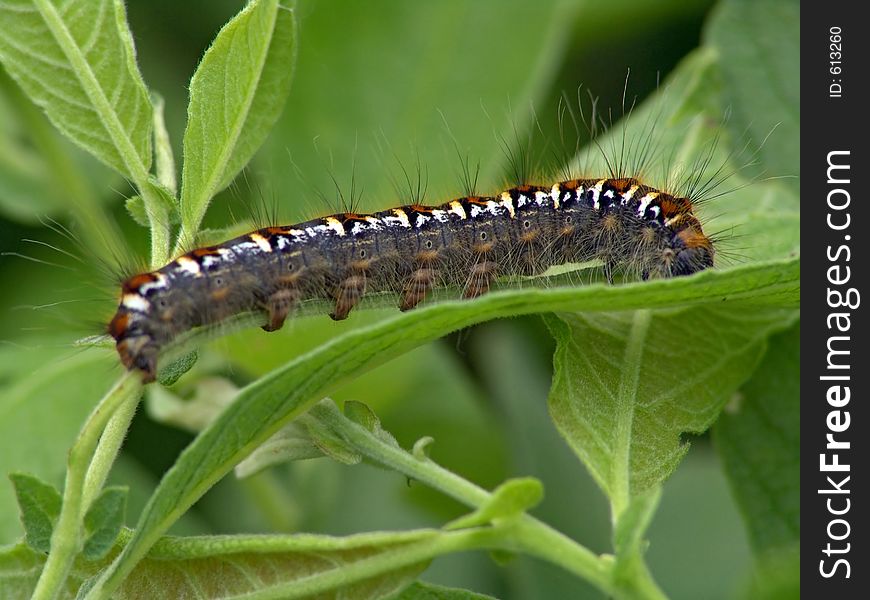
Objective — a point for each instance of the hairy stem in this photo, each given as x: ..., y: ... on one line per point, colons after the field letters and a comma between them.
x: 66, y: 538
x: 527, y: 534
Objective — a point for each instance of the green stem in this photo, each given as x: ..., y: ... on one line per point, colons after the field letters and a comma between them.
x: 66, y: 537
x: 526, y: 534
x: 640, y: 585
x: 620, y: 466
x: 108, y: 448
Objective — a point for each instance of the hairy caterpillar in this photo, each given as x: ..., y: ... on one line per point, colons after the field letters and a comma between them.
x: 467, y: 242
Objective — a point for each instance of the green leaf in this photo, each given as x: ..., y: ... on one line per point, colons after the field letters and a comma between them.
x: 420, y: 590
x: 330, y: 444
x: 177, y: 368
x: 758, y: 438
x: 77, y: 61
x: 628, y: 385
x: 103, y: 522
x: 165, y: 161
x: 236, y: 95
x: 135, y: 205
x: 508, y: 500
x: 136, y: 209
x: 366, y: 567
x: 760, y: 66
x: 362, y: 414
x: 39, y: 504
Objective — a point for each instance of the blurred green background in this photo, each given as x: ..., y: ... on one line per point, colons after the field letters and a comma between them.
x: 372, y: 83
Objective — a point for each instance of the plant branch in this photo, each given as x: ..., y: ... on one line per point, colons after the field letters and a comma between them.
x: 526, y: 534
x: 66, y: 537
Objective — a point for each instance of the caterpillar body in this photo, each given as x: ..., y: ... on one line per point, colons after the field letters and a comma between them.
x: 467, y: 242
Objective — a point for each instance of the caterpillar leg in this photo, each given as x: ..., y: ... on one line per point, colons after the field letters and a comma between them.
x: 348, y: 293
x: 418, y: 285
x: 481, y: 278
x: 278, y: 305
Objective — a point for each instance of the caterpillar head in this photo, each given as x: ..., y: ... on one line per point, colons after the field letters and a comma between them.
x: 693, y: 251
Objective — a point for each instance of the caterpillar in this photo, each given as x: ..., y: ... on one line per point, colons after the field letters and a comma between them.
x: 467, y: 242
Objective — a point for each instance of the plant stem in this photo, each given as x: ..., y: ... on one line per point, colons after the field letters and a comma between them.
x: 107, y: 449
x: 66, y: 537
x: 526, y: 533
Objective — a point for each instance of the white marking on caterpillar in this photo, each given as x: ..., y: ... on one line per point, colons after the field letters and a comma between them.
x: 554, y: 194
x: 208, y: 261
x: 608, y: 194
x: 160, y: 282
x: 244, y: 247
x: 358, y: 228
x: 401, y: 217
x: 522, y: 200
x: 227, y: 254
x: 508, y: 204
x: 282, y: 241
x: 596, y: 192
x: 187, y: 264
x: 644, y: 203
x: 656, y: 210
x: 456, y: 209
x: 374, y: 222
x: 421, y: 220
x: 262, y: 242
x: 135, y: 302
x: 335, y: 225
x: 628, y: 195
x: 440, y: 215
x: 541, y: 198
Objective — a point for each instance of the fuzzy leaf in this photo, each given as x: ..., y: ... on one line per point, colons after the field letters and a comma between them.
x: 290, y: 566
x: 508, y: 500
x: 39, y: 504
x: 177, y: 368
x: 236, y: 95
x: 103, y: 522
x: 136, y: 209
x: 628, y: 385
x: 76, y: 60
